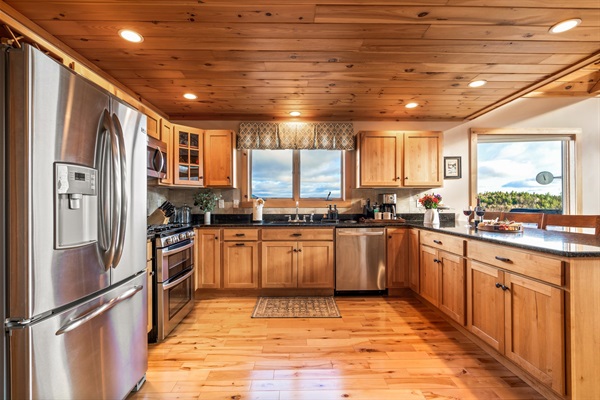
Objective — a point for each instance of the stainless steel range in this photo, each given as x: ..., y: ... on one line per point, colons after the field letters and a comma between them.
x: 173, y: 266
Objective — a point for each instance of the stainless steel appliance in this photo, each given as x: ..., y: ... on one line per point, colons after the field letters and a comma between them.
x: 156, y: 158
x: 388, y: 203
x: 74, y: 265
x: 174, y: 282
x: 360, y: 259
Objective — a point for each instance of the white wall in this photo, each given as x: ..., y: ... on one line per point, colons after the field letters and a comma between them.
x: 521, y: 113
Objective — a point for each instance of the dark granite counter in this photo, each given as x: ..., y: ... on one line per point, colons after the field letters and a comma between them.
x: 550, y: 242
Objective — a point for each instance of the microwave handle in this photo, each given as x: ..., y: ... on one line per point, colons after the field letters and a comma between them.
x: 158, y: 152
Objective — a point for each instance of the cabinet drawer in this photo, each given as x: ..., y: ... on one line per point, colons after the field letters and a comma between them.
x: 240, y: 234
x: 443, y: 242
x: 297, y: 234
x: 525, y: 263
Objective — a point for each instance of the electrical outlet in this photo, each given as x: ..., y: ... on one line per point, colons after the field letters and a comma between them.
x: 363, y: 202
x: 221, y: 203
x: 236, y: 204
x: 418, y: 204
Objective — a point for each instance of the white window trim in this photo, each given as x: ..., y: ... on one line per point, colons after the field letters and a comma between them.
x: 572, y: 202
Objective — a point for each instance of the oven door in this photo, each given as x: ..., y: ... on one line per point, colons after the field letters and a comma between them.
x: 175, y: 301
x: 173, y: 260
x: 156, y: 159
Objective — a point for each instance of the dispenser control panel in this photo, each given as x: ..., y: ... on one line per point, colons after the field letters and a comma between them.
x: 73, y: 179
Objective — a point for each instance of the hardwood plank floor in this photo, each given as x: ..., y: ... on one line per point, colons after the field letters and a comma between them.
x: 382, y: 348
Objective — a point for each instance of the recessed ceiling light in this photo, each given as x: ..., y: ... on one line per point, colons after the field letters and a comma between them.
x: 564, y: 26
x: 412, y: 105
x: 131, y: 36
x: 295, y: 113
x: 477, y: 83
x: 190, y: 96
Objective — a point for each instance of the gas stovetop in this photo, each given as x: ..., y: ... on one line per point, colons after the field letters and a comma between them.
x: 168, y: 234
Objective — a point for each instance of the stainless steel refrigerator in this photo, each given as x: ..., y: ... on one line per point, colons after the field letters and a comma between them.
x: 73, y: 234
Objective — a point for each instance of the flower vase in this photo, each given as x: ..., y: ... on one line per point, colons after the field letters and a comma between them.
x: 431, y: 217
x: 206, y: 217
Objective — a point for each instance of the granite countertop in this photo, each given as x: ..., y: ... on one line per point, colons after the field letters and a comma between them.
x: 550, y: 242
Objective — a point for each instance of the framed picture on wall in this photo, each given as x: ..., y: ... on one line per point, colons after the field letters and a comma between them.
x: 452, y: 168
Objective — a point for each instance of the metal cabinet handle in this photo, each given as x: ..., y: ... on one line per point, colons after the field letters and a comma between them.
x: 75, y: 323
x: 501, y: 286
x: 240, y: 244
x: 296, y: 234
x: 240, y: 234
x: 299, y: 250
x: 295, y: 250
x: 503, y: 259
x: 437, y: 241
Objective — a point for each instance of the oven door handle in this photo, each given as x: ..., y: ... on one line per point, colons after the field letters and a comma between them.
x: 187, y: 246
x: 178, y: 280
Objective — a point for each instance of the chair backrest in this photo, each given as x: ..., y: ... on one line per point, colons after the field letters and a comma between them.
x: 525, y: 218
x: 492, y: 215
x: 591, y: 222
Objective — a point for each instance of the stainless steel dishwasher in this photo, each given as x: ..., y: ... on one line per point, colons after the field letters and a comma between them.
x: 360, y: 259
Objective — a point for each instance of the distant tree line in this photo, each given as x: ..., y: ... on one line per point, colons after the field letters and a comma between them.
x: 505, y: 201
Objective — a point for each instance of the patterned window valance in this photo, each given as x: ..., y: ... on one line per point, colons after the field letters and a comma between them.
x: 296, y: 135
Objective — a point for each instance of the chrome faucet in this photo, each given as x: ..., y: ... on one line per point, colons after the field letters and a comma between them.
x: 297, y: 216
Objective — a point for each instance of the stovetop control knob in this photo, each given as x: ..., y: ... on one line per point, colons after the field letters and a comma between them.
x: 182, y: 236
x: 190, y: 234
x: 168, y: 240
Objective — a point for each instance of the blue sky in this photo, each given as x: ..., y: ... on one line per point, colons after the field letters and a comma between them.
x: 272, y: 173
x: 514, y: 166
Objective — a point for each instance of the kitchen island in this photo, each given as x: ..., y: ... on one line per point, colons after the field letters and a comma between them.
x: 530, y: 299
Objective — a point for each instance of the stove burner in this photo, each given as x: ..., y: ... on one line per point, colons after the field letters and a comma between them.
x: 155, y: 229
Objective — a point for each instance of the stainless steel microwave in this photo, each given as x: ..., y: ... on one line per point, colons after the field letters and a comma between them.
x: 156, y: 160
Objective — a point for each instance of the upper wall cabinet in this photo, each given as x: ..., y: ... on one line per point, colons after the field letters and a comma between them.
x: 152, y: 124
x: 166, y: 135
x: 187, y: 156
x: 219, y: 160
x: 399, y: 159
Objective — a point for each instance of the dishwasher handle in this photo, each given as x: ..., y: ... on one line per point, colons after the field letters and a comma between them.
x: 360, y: 233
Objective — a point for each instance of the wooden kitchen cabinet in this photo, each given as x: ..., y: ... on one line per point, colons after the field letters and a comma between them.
x: 422, y: 159
x: 399, y: 159
x: 219, y: 166
x: 152, y: 124
x: 380, y: 162
x: 520, y: 318
x: 188, y: 156
x: 413, y: 260
x: 305, y: 263
x: 208, y: 260
x: 397, y: 241
x: 442, y: 274
x: 240, y: 258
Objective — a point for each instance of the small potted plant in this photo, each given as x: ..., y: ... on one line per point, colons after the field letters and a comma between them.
x: 206, y: 200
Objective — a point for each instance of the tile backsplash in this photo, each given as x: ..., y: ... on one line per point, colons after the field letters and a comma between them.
x: 406, y: 201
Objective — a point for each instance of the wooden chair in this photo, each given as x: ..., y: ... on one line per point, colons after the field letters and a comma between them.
x: 492, y: 215
x: 589, y: 224
x: 525, y: 218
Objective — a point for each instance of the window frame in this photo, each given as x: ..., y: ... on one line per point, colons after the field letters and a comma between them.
x: 246, y: 186
x: 572, y: 194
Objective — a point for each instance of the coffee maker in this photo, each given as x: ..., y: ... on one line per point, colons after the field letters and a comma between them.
x: 388, y: 203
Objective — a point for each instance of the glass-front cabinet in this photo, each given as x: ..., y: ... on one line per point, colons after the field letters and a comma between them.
x: 188, y: 156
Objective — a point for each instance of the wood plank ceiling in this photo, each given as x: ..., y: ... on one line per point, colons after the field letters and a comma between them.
x: 330, y: 59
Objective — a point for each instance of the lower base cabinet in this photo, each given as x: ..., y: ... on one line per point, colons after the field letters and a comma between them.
x: 521, y: 318
x: 305, y: 264
x: 208, y: 260
x: 240, y: 265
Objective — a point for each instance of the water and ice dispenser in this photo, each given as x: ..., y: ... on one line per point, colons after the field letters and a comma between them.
x: 76, y: 205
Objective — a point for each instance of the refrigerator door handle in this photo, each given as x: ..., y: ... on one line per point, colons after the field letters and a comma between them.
x: 75, y: 323
x: 124, y: 199
x: 106, y: 192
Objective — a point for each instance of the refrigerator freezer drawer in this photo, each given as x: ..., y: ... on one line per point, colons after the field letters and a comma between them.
x: 96, y: 350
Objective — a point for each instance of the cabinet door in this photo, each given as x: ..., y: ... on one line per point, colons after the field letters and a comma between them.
x: 397, y: 257
x: 422, y: 159
x: 315, y: 265
x: 429, y: 275
x: 166, y: 135
x: 240, y: 265
x: 535, y: 335
x: 279, y: 264
x: 152, y: 125
x: 188, y: 156
x: 380, y: 159
x: 208, y: 265
x: 485, y: 304
x: 218, y: 158
x: 452, y: 286
x: 413, y: 260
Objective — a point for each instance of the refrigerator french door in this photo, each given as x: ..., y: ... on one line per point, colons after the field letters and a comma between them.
x: 75, y: 259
